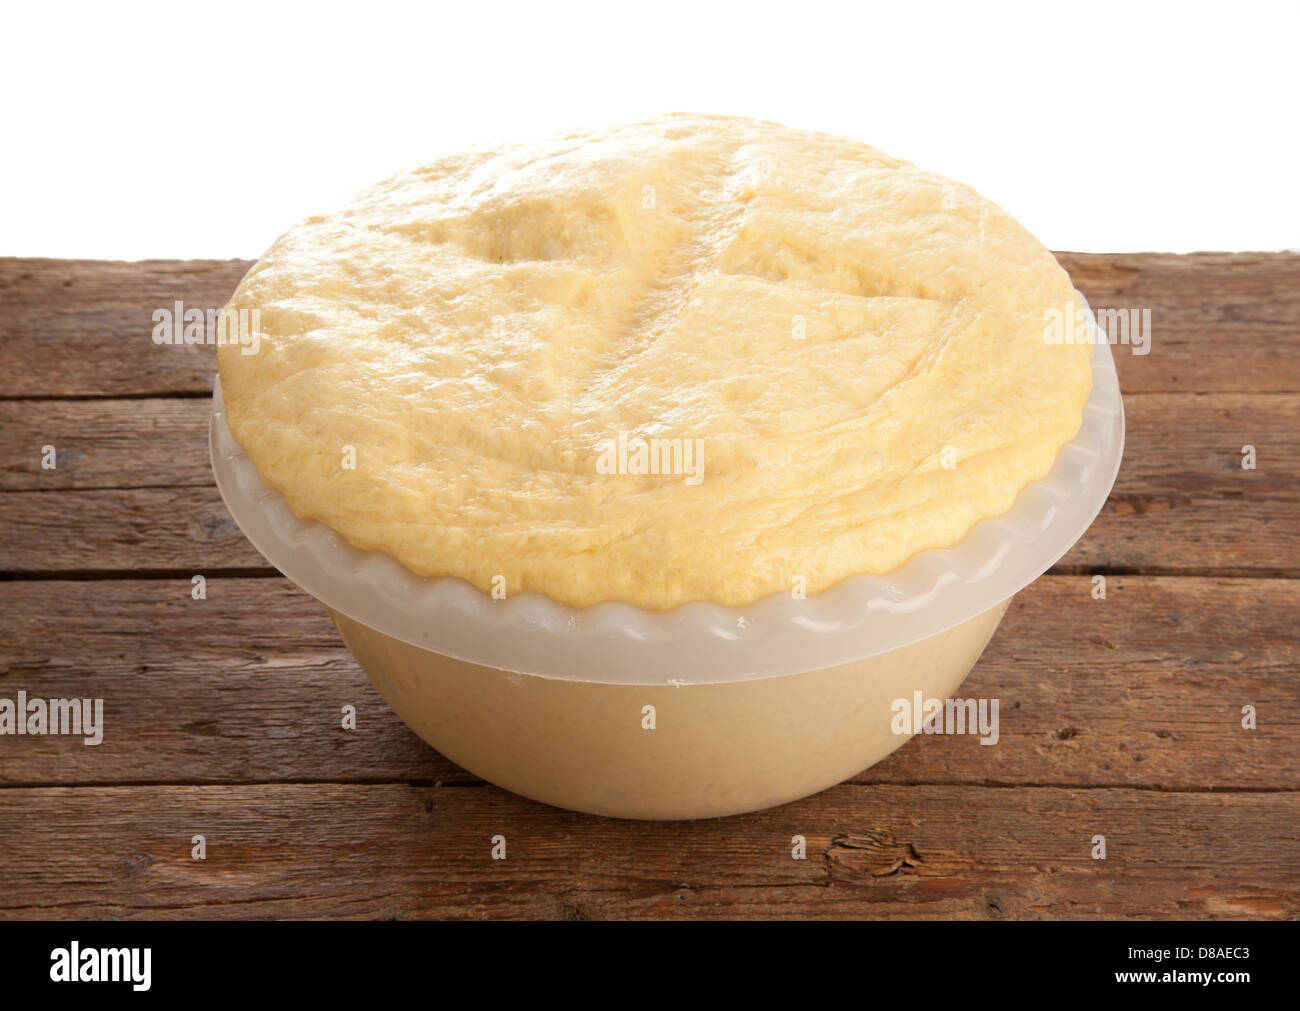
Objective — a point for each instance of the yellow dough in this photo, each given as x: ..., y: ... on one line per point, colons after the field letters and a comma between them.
x: 466, y: 365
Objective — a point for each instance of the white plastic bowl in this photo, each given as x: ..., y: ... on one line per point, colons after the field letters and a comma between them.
x: 751, y: 706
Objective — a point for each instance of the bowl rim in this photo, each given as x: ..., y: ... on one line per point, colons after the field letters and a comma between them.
x: 700, y: 642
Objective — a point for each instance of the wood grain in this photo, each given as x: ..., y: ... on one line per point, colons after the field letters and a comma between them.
x: 1144, y: 688
x: 83, y: 328
x: 148, y: 529
x: 385, y: 851
x: 1183, y: 501
x: 1119, y: 717
x: 104, y: 444
x: 1221, y: 322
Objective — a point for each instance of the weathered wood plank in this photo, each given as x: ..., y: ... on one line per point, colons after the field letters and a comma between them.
x: 397, y: 851
x: 1144, y: 688
x: 100, y: 444
x: 84, y: 327
x: 1222, y: 322
x: 154, y: 529
x: 246, y: 685
x: 1184, y: 502
x: 1119, y: 717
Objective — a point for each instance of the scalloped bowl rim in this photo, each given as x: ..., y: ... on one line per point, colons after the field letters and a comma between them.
x: 699, y: 642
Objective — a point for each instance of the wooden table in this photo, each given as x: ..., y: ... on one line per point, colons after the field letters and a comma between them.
x: 1120, y: 717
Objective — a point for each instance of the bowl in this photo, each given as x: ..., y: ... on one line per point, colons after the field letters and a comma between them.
x: 697, y: 712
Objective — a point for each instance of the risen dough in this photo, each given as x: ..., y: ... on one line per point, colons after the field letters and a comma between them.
x: 858, y: 344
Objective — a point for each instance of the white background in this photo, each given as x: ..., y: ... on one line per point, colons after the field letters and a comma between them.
x: 170, y: 130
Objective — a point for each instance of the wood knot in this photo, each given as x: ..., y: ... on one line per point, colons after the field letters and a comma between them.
x: 882, y: 854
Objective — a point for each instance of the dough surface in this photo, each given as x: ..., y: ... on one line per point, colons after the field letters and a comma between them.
x: 858, y: 344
